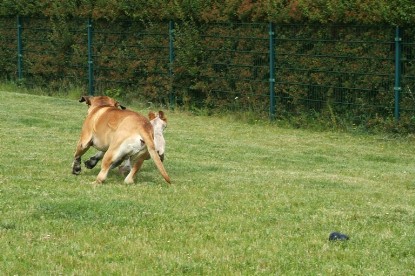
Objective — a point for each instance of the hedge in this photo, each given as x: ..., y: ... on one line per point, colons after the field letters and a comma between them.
x: 397, y: 12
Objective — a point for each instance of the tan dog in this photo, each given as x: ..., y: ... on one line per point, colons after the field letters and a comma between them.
x: 159, y: 122
x: 121, y: 134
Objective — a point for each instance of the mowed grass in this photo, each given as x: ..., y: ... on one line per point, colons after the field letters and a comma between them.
x: 245, y: 199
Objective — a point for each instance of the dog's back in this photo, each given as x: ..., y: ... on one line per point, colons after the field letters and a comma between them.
x: 121, y: 133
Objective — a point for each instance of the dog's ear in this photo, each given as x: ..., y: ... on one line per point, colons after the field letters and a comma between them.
x: 151, y: 115
x: 162, y: 116
x: 85, y: 99
x: 118, y: 105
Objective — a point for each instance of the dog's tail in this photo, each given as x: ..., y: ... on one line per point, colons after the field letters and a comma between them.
x: 149, y: 141
x: 156, y: 158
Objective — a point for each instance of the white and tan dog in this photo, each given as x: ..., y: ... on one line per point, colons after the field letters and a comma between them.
x: 121, y: 134
x: 159, y: 122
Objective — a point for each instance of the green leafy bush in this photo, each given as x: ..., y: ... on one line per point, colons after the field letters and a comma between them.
x: 398, y: 12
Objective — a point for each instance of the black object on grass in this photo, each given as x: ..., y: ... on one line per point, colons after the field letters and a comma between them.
x: 337, y: 236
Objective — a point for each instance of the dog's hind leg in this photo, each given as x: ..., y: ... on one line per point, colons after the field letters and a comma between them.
x: 134, y: 169
x: 116, y: 163
x: 112, y: 158
x: 105, y: 167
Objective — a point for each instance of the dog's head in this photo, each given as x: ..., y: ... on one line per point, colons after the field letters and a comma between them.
x: 159, y: 123
x: 100, y: 101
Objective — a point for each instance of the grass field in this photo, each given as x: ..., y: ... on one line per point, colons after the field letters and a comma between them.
x: 246, y: 199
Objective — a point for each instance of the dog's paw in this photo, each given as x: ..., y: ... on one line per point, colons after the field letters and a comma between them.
x: 129, y: 180
x: 76, y: 166
x: 90, y: 163
x: 76, y: 170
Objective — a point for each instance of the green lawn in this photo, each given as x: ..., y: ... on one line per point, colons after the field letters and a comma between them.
x: 245, y: 199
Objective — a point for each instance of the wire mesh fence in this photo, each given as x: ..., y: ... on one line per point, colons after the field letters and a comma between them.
x: 131, y: 55
x: 235, y: 67
x: 8, y: 47
x: 355, y: 71
x: 335, y: 67
x: 52, y: 54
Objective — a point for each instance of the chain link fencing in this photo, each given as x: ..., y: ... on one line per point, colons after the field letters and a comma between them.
x: 359, y: 72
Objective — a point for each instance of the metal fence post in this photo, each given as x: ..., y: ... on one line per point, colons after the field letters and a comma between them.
x: 171, y: 60
x: 272, y: 71
x: 90, y: 59
x: 398, y: 66
x: 19, y: 49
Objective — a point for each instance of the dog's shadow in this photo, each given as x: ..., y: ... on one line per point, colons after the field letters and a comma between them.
x: 143, y: 177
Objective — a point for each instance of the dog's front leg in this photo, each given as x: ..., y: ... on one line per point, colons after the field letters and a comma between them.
x: 91, y: 162
x: 81, y: 148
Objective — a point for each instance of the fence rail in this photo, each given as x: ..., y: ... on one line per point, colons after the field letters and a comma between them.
x: 365, y: 71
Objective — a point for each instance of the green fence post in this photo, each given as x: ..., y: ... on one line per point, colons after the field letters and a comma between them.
x: 398, y: 66
x: 272, y: 72
x: 171, y: 60
x: 90, y: 59
x: 19, y: 50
